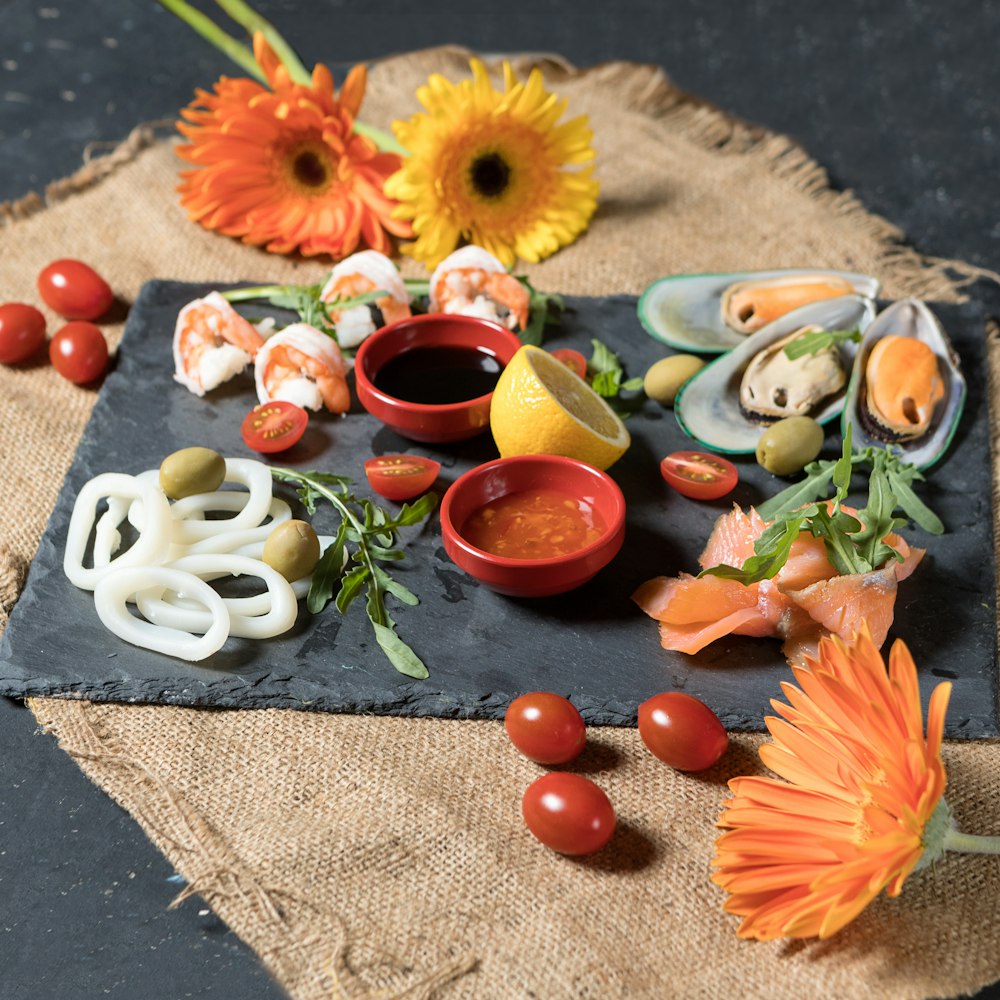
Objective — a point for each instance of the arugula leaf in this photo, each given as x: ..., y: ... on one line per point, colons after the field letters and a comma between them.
x: 371, y: 529
x: 901, y: 475
x: 853, y: 544
x: 818, y: 340
x: 327, y: 574
x: 305, y: 300
x: 818, y: 476
x: 544, y: 309
x: 770, y: 554
x: 607, y: 375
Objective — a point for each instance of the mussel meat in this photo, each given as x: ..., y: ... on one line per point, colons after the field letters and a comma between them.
x: 749, y: 305
x: 903, y: 384
x: 774, y: 387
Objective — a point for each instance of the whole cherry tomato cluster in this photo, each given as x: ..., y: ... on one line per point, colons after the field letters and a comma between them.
x: 78, y: 351
x: 570, y: 813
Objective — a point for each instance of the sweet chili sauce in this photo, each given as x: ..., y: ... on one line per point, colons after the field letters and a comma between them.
x: 535, y: 524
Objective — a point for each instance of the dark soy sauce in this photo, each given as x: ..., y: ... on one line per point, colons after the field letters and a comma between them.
x: 438, y: 375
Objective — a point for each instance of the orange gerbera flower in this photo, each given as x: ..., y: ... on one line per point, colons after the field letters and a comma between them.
x: 283, y: 167
x: 862, y: 805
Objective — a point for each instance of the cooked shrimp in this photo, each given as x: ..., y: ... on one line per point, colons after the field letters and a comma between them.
x: 305, y: 367
x: 472, y: 282
x: 212, y: 343
x: 360, y: 273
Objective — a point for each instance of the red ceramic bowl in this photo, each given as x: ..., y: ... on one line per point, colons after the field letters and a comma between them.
x: 532, y: 577
x: 423, y: 421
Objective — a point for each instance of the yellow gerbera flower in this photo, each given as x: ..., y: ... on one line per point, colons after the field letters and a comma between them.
x: 862, y: 803
x: 489, y: 167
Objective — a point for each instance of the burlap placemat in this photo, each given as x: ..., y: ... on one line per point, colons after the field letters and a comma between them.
x: 385, y: 857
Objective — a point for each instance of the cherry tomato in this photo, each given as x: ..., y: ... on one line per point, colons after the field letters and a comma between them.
x: 74, y: 290
x: 568, y: 813
x: 698, y: 475
x: 401, y: 477
x: 682, y: 731
x: 22, y: 332
x: 274, y: 426
x: 573, y: 360
x: 545, y: 727
x: 79, y: 352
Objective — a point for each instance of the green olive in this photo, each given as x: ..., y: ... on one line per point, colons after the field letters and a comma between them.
x: 665, y: 378
x: 292, y: 549
x: 789, y: 445
x: 190, y: 471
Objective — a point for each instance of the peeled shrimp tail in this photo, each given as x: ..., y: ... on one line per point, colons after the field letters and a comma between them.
x: 305, y: 367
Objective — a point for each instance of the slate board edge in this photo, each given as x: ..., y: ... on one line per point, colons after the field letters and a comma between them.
x: 404, y: 699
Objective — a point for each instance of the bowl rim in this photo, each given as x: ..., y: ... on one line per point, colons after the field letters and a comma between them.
x: 362, y: 381
x: 613, y: 526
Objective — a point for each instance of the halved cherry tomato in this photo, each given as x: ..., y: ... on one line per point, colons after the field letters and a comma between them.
x: 22, y: 332
x: 545, y: 727
x: 573, y: 360
x: 79, y: 352
x: 698, y: 475
x: 568, y: 813
x: 401, y: 477
x: 274, y: 426
x: 74, y: 290
x: 682, y: 731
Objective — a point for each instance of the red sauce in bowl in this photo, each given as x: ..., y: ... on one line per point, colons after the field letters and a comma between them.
x: 534, y: 524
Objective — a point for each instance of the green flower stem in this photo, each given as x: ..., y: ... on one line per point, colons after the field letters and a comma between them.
x: 211, y: 32
x: 385, y: 141
x: 247, y: 17
x: 969, y: 843
x: 260, y: 292
x: 243, y: 14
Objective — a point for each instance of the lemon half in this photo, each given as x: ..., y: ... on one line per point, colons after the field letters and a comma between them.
x: 541, y: 407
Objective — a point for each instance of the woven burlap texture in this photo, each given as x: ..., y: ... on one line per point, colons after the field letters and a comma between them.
x: 366, y: 856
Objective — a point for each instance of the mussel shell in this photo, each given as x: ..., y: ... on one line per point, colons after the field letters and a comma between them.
x: 708, y: 407
x: 684, y: 310
x: 909, y: 318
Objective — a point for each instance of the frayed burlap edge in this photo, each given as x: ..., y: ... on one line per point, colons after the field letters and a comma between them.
x: 203, y: 857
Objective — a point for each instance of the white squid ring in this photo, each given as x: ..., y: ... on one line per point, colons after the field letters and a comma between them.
x: 255, y: 476
x: 228, y: 540
x: 149, y: 547
x: 114, y: 590
x: 245, y: 619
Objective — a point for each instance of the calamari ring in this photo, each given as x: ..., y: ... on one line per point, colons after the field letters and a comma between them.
x: 254, y: 475
x: 107, y: 537
x: 228, y: 540
x: 259, y: 617
x: 113, y: 591
x: 149, y: 547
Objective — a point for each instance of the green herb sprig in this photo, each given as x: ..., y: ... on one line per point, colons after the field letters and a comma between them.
x: 544, y: 308
x: 367, y: 533
x: 304, y: 300
x: 607, y: 376
x: 819, y: 340
x: 853, y: 544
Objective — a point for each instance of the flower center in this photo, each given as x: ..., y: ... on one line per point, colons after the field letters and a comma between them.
x: 309, y: 168
x: 490, y: 175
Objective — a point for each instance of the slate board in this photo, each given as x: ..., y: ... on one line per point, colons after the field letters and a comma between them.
x: 483, y: 649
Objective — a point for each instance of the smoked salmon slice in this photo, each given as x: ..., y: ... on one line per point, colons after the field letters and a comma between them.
x: 805, y: 600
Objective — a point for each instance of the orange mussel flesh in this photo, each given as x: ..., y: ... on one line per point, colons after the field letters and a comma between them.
x: 903, y: 384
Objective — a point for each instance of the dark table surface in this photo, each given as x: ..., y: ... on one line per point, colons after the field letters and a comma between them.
x: 898, y: 100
